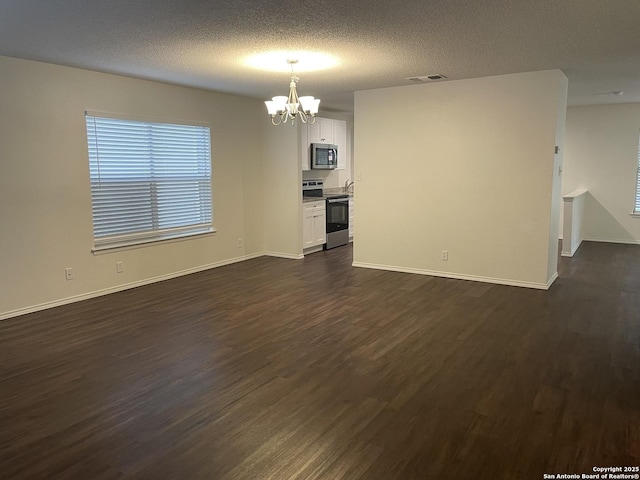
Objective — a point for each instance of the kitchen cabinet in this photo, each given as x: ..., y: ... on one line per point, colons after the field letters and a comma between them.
x: 351, y: 218
x: 324, y: 130
x: 314, y: 224
x: 340, y: 139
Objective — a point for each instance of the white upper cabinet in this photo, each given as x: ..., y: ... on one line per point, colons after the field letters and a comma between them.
x: 321, y: 131
x: 340, y: 139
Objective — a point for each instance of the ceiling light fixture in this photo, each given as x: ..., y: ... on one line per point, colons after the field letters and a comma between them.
x: 284, y: 108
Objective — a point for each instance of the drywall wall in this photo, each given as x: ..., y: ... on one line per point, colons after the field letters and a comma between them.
x: 573, y: 212
x: 601, y: 156
x: 464, y: 166
x: 45, y: 203
x: 282, y: 201
x: 556, y: 175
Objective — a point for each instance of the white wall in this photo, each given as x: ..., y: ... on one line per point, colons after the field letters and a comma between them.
x: 601, y: 156
x: 282, y: 200
x: 556, y: 195
x: 465, y: 166
x: 45, y: 204
x: 573, y: 213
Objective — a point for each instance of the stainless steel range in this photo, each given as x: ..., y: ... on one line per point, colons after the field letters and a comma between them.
x: 337, y: 212
x: 313, y: 188
x: 337, y: 221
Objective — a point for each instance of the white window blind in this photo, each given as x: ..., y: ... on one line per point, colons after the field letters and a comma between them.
x: 149, y: 181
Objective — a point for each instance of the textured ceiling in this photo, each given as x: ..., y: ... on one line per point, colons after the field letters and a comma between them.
x: 378, y: 43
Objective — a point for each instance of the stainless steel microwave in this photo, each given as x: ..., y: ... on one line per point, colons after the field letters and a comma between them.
x: 324, y: 156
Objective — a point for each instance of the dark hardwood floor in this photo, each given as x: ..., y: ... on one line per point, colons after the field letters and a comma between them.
x: 311, y: 369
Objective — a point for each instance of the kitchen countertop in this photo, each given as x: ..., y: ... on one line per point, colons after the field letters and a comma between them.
x: 328, y: 193
x: 325, y: 196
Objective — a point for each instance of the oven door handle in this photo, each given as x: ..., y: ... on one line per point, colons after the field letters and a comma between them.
x: 336, y: 200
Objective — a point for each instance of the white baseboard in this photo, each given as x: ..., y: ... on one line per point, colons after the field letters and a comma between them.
x: 456, y: 276
x: 317, y: 248
x: 608, y: 240
x: 553, y: 278
x: 160, y: 278
x: 127, y: 286
x: 282, y: 255
x: 572, y: 251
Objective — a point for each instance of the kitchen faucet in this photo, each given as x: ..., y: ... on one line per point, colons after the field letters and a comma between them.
x: 347, y: 185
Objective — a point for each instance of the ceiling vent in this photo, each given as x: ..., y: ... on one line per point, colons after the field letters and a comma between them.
x: 427, y: 78
x: 617, y: 93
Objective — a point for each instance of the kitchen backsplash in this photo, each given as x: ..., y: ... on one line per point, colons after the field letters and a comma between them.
x: 331, y: 178
x: 336, y: 190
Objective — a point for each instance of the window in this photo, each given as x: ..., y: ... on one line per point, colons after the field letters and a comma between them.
x: 149, y: 181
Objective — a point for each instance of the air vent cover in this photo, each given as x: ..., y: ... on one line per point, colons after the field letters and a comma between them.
x: 427, y: 78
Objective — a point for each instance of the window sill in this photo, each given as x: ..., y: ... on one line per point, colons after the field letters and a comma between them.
x: 119, y: 247
x: 635, y: 214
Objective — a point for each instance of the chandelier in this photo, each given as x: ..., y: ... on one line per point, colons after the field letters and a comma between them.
x: 283, y: 108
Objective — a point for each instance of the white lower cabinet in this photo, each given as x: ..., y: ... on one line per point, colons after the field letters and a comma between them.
x: 314, y: 226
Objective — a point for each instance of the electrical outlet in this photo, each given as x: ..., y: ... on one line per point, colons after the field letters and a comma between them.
x: 445, y: 255
x: 119, y: 267
x: 68, y: 273
x: 239, y: 243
